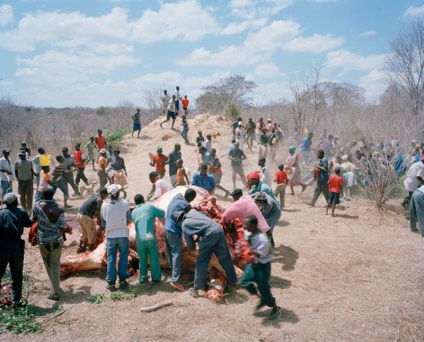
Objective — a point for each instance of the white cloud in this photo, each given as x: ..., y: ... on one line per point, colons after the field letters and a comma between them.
x: 346, y: 60
x: 374, y: 84
x: 253, y: 9
x: 314, y: 44
x: 267, y: 70
x: 413, y: 11
x: 6, y: 15
x: 368, y: 33
x: 234, y: 28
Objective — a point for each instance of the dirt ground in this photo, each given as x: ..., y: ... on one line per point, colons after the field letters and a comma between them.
x: 356, y: 277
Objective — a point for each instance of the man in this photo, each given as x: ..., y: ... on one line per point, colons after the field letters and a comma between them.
x: 185, y: 103
x: 327, y: 145
x: 69, y: 168
x: 273, y: 142
x: 12, y: 247
x: 305, y: 148
x: 118, y: 166
x: 159, y: 160
x: 136, y: 123
x: 116, y: 215
x: 103, y: 178
x: 171, y: 112
x: 259, y: 272
x: 230, y: 148
x: 204, y: 180
x: 240, y: 132
x: 264, y: 173
x: 100, y: 142
x: 6, y: 173
x: 58, y: 180
x: 40, y: 160
x: 208, y: 143
x: 26, y: 149
x: 90, y: 208
x: 263, y: 143
x: 269, y: 209
x: 237, y: 156
x: 322, y: 181
x: 203, y: 157
x: 415, y: 177
x: 177, y: 99
x: 159, y: 186
x: 144, y: 221
x: 250, y: 133
x: 208, y: 234
x: 216, y: 171
x: 234, y: 126
x: 242, y: 207
x: 257, y: 186
x: 90, y: 147
x: 165, y: 99
x: 173, y: 156
x: 173, y: 235
x: 24, y: 174
x: 51, y: 226
x: 416, y: 211
x: 80, y: 159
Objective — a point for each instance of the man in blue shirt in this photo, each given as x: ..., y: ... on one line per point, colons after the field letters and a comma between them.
x: 204, y: 180
x: 322, y: 181
x: 173, y: 156
x: 173, y: 235
x: 305, y: 148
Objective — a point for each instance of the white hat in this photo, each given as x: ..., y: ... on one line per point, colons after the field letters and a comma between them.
x: 10, y: 197
x: 114, y: 189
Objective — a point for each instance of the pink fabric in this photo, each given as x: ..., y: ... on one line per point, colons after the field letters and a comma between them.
x: 293, y: 161
x: 242, y: 208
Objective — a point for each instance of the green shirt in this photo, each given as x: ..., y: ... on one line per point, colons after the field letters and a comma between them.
x: 144, y: 220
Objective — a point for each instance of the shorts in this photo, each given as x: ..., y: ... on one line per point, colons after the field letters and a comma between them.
x: 171, y: 115
x: 333, y: 198
x: 136, y: 127
x: 237, y: 170
x: 251, y: 136
x: 217, y: 177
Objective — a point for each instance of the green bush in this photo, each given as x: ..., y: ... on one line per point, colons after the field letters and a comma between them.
x: 232, y: 110
x: 117, y: 135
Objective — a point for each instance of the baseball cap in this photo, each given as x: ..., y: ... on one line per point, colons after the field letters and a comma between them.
x: 114, y: 189
x: 10, y: 198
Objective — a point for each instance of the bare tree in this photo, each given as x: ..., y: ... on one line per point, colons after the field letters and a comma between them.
x: 405, y: 64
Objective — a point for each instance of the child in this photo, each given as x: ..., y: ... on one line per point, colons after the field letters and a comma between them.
x: 282, y: 180
x: 44, y: 182
x: 185, y: 102
x: 181, y: 174
x: 90, y: 147
x: 208, y: 143
x: 334, y: 187
x: 200, y: 139
x: 260, y: 271
x: 185, y: 129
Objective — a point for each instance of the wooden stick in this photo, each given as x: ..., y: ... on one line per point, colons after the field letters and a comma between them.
x: 156, y: 306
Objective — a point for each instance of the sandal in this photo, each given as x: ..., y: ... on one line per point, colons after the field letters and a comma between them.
x: 54, y: 296
x: 179, y: 287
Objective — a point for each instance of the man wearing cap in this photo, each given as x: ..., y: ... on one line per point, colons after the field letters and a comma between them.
x: 24, y: 174
x: 208, y: 234
x: 173, y: 156
x: 237, y: 156
x: 116, y: 215
x: 159, y: 160
x: 204, y: 180
x: 173, y: 235
x: 264, y: 173
x: 6, y: 173
x: 269, y: 209
x: 69, y: 168
x: 91, y: 208
x: 12, y: 223
x: 242, y: 207
x: 103, y: 178
x: 136, y: 123
x: 257, y: 186
x: 79, y: 157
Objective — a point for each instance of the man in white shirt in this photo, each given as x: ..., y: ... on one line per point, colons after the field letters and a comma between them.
x: 6, y: 173
x: 264, y: 174
x: 177, y: 99
x: 116, y: 215
x: 165, y: 99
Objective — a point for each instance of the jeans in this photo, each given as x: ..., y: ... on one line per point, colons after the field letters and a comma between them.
x: 62, y: 186
x: 184, y: 133
x: 81, y: 176
x: 51, y: 259
x: 12, y: 253
x: 26, y: 190
x: 280, y: 191
x: 174, y: 247
x: 259, y: 274
x: 214, y: 243
x: 6, y: 187
x: 37, y: 180
x: 113, y: 245
x: 317, y: 191
x: 69, y: 178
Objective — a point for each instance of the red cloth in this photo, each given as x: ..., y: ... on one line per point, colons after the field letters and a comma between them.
x: 254, y: 175
x: 335, y: 183
x: 78, y: 159
x: 281, y: 177
x: 158, y: 160
x: 100, y: 141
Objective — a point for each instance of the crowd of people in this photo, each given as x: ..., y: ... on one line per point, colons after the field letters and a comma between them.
x: 334, y: 167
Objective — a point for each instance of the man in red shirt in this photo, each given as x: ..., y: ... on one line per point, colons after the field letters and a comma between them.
x: 185, y: 102
x: 100, y: 143
x: 335, y: 188
x: 281, y: 180
x: 79, y: 157
x: 159, y: 160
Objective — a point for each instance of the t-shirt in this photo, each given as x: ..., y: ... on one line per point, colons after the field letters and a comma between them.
x: 165, y: 99
x: 281, y: 178
x: 89, y: 207
x: 24, y: 168
x: 161, y: 187
x: 171, y: 105
x: 158, y: 160
x: 69, y: 162
x: 44, y: 181
x: 79, y: 156
x: 102, y: 161
x: 204, y: 158
x: 238, y: 154
x: 185, y: 103
x: 173, y: 156
x: 265, y: 176
x: 12, y: 223
x: 144, y: 220
x: 323, y: 175
x: 199, y: 140
x: 100, y: 141
x: 115, y: 216
x: 136, y: 118
x: 118, y: 163
x: 411, y: 182
x: 306, y: 145
x: 251, y: 127
x: 216, y: 166
x: 208, y: 183
x: 208, y: 145
x: 57, y: 173
x: 335, y: 183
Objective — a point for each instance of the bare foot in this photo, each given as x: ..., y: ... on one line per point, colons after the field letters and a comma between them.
x: 333, y: 215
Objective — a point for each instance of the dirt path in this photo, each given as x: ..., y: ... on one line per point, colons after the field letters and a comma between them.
x: 356, y: 277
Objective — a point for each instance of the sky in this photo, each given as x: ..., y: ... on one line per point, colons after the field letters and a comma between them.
x: 91, y: 53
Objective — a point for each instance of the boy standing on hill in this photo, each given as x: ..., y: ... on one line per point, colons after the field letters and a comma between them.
x: 185, y: 129
x: 136, y: 123
x: 335, y: 187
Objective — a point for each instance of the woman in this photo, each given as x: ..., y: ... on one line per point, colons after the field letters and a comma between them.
x: 51, y: 225
x: 292, y: 162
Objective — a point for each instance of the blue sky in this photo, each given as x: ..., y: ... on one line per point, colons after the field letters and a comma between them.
x: 101, y: 52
